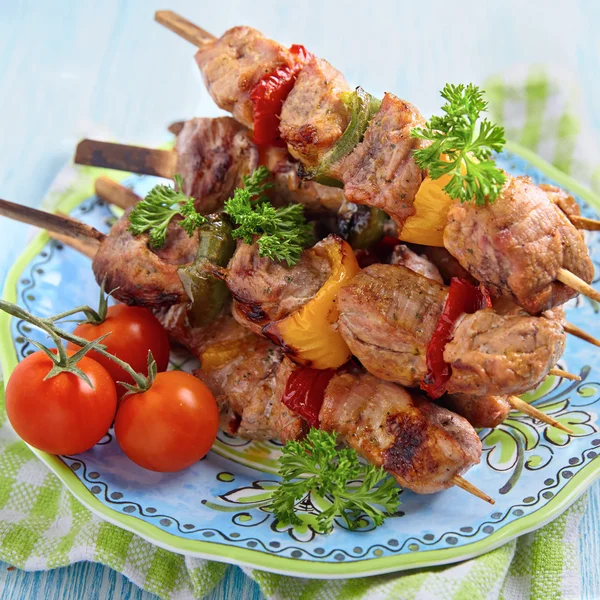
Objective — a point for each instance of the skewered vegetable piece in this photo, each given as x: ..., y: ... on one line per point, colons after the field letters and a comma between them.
x: 206, y: 293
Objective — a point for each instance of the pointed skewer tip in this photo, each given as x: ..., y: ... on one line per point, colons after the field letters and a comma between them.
x: 458, y: 481
x: 534, y: 412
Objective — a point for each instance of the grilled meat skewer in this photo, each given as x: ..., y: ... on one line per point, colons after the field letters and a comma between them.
x: 249, y: 383
x: 388, y: 315
x: 380, y: 171
x: 212, y: 156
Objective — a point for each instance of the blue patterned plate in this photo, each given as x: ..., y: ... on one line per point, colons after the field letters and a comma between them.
x: 218, y: 508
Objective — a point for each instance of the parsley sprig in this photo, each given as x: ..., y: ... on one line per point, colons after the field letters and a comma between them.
x: 467, y: 143
x: 154, y: 213
x: 316, y: 465
x: 283, y: 231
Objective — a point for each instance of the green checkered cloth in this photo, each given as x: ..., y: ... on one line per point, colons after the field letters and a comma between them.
x: 42, y: 526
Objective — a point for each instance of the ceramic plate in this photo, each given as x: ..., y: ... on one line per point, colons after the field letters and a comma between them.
x: 217, y: 508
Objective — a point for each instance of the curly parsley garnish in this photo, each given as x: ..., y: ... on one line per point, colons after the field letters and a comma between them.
x: 283, y: 232
x: 316, y: 465
x: 467, y: 144
x: 154, y: 213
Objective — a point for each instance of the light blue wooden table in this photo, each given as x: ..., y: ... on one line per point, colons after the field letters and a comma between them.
x: 75, y: 67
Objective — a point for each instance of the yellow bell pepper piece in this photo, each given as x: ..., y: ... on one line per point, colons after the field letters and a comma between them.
x: 426, y: 227
x: 309, y: 335
x: 222, y: 353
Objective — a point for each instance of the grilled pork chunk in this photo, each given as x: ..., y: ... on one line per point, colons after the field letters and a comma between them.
x: 212, y: 157
x: 248, y: 389
x: 388, y: 315
x: 480, y: 411
x: 421, y: 444
x: 404, y: 256
x: 516, y: 246
x: 265, y: 290
x: 510, y: 354
x: 313, y: 117
x: 233, y: 64
x: 381, y: 170
x: 140, y: 275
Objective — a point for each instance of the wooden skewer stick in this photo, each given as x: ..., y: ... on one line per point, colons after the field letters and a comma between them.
x: 564, y: 374
x: 183, y: 28
x: 469, y: 487
x: 86, y: 247
x: 114, y: 193
x: 578, y: 284
x: 526, y: 408
x: 581, y: 334
x: 585, y: 223
x: 145, y: 161
x: 63, y: 226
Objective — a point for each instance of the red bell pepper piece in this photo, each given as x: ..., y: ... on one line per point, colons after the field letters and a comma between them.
x: 305, y: 391
x: 269, y: 94
x: 463, y: 298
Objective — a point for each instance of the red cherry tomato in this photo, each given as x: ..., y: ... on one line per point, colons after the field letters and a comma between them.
x: 134, y: 331
x: 61, y: 415
x: 169, y: 427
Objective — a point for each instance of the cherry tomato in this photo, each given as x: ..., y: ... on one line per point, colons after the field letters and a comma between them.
x: 61, y: 415
x: 169, y: 427
x: 134, y: 331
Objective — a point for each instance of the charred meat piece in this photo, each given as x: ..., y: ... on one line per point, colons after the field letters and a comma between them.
x: 314, y: 117
x: 422, y: 445
x: 480, y: 411
x: 233, y: 64
x: 387, y: 316
x: 517, y: 245
x: 140, y: 275
x: 212, y: 157
x: 381, y: 171
x: 562, y: 199
x: 248, y: 389
x: 515, y: 350
x: 403, y: 255
x: 288, y: 188
x: 265, y: 290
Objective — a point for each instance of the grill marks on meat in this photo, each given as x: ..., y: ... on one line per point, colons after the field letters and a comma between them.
x: 515, y: 351
x: 387, y: 316
x: 422, y: 445
x: 317, y: 199
x: 232, y: 65
x: 516, y: 246
x: 403, y: 255
x: 139, y: 275
x: 480, y: 411
x: 212, y: 157
x: 265, y: 290
x: 313, y: 116
x: 381, y: 170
